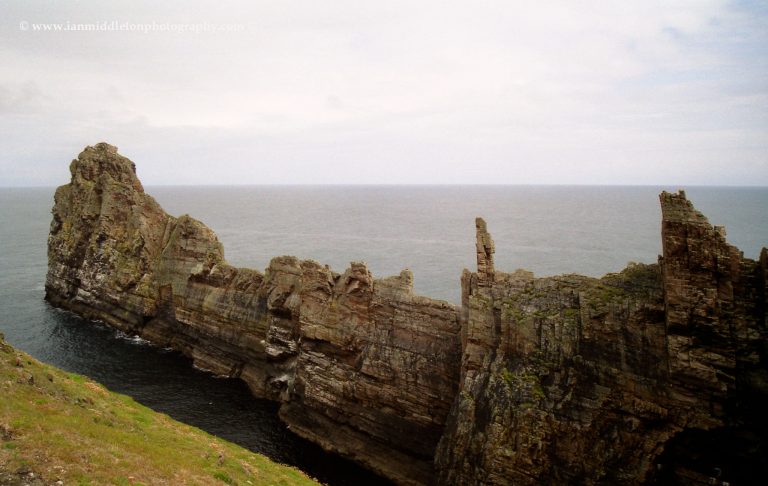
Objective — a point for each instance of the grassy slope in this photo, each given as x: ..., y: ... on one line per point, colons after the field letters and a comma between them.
x: 65, y: 427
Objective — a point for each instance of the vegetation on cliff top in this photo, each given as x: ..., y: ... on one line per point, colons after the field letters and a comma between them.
x: 58, y: 426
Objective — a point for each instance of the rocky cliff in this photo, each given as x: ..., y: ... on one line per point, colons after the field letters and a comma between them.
x: 656, y: 373
x: 363, y: 366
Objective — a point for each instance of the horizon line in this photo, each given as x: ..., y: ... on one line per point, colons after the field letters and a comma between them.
x: 418, y: 184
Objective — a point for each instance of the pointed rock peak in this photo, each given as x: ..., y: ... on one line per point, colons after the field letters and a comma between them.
x: 675, y: 207
x: 485, y: 250
x: 105, y: 147
x: 481, y: 225
x: 358, y: 267
x: 102, y: 160
x: 357, y: 279
x: 406, y: 279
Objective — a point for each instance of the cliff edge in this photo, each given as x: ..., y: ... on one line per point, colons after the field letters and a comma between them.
x: 363, y: 366
x: 653, y: 374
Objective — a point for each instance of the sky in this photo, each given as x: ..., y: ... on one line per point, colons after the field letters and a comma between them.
x: 388, y: 92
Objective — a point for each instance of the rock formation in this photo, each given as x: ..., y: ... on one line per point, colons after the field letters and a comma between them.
x: 572, y: 379
x: 362, y: 366
x: 625, y: 379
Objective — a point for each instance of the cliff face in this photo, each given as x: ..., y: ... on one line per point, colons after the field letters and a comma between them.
x: 626, y: 379
x: 656, y: 373
x: 362, y: 366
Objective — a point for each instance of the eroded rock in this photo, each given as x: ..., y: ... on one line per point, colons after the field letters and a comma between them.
x: 362, y: 366
x: 572, y: 379
x: 569, y: 379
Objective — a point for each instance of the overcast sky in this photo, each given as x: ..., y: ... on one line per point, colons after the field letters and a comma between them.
x: 338, y: 92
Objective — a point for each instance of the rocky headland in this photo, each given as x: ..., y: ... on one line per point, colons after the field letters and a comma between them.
x: 654, y: 374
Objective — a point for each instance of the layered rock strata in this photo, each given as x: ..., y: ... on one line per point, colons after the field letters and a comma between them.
x: 654, y: 374
x: 363, y: 366
x: 561, y: 379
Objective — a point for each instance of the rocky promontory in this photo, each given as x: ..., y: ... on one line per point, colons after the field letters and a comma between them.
x: 656, y: 373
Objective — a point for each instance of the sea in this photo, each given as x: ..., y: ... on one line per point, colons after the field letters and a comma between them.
x: 549, y: 230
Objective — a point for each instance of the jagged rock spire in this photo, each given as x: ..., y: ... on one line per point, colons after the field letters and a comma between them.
x: 485, y: 250
x: 705, y: 281
x: 100, y: 163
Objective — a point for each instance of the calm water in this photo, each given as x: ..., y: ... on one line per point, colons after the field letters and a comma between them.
x: 550, y: 230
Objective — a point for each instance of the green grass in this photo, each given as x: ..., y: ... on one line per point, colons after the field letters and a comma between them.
x: 65, y: 427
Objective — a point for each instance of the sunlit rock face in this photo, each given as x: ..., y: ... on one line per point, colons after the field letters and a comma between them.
x: 656, y: 373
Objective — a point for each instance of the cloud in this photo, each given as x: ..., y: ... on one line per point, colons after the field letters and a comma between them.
x: 397, y: 92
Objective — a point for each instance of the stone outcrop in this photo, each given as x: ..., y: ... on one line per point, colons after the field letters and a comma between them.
x: 653, y: 374
x: 363, y: 366
x: 623, y: 379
